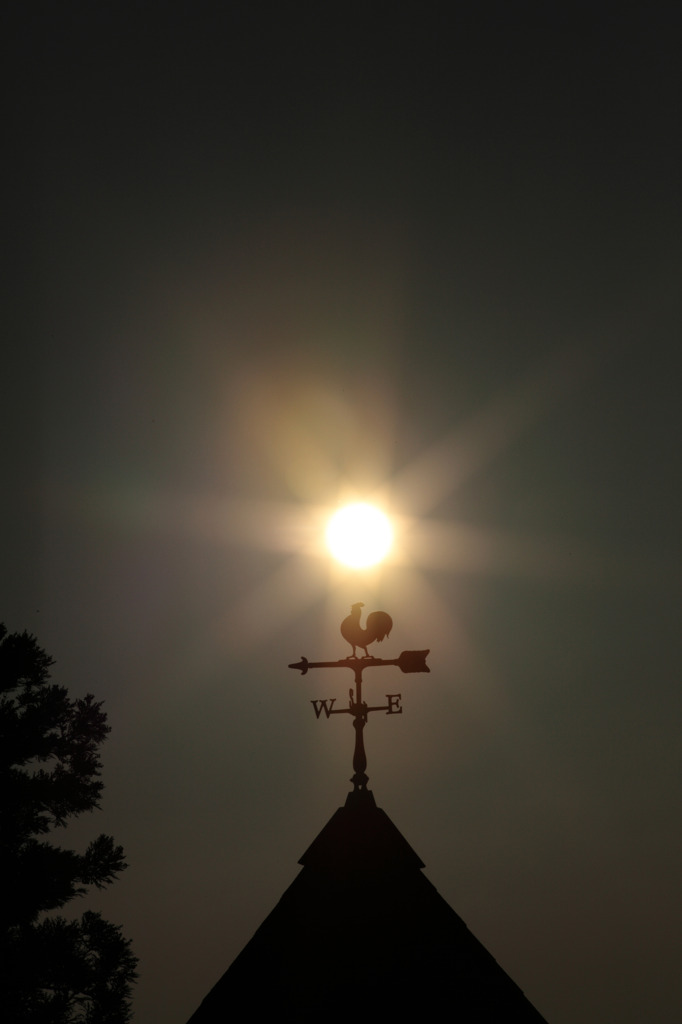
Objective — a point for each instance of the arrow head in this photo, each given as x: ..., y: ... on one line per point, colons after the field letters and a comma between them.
x: 413, y: 661
x: 302, y: 665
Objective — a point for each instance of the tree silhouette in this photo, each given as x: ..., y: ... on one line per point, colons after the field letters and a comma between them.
x: 54, y: 970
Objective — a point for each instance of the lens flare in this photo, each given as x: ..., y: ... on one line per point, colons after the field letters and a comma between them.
x: 359, y: 535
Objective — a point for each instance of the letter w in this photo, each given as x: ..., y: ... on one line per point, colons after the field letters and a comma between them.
x: 321, y: 705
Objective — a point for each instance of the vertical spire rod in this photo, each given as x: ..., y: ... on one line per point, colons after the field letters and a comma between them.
x: 359, y: 712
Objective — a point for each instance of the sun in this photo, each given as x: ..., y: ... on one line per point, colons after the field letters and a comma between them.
x: 359, y: 535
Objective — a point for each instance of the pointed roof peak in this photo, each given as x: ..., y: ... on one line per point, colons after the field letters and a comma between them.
x: 360, y: 837
x: 361, y: 901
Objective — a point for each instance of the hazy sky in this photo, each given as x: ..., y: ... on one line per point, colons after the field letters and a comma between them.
x: 258, y: 265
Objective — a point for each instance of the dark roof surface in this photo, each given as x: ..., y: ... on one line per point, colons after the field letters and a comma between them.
x: 361, y: 934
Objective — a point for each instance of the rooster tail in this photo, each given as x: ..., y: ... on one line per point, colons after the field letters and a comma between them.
x: 379, y: 625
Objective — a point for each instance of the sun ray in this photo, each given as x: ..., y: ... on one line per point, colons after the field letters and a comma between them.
x: 468, y: 448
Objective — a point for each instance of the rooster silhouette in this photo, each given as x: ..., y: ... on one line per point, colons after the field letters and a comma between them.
x: 379, y: 625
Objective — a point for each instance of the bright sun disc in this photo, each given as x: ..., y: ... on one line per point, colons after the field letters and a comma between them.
x: 359, y: 535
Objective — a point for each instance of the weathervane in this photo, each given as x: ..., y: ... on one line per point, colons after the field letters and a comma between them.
x: 379, y: 625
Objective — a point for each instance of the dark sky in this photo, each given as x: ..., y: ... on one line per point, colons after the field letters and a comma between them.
x: 260, y: 263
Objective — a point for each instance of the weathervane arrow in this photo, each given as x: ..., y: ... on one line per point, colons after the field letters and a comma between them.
x: 379, y: 625
x: 409, y: 661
